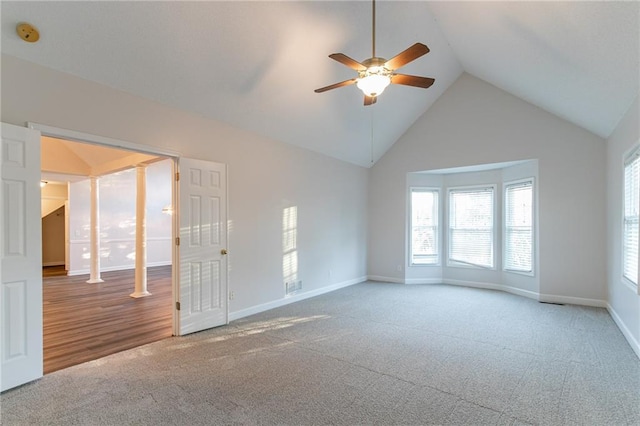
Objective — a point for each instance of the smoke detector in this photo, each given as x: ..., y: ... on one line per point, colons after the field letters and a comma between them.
x: 27, y: 32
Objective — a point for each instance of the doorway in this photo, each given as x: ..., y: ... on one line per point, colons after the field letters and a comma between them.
x: 199, y: 231
x: 84, y: 321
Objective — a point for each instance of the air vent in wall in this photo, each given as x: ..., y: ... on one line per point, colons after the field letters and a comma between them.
x: 292, y: 287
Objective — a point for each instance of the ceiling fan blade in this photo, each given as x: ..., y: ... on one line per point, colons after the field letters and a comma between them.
x: 335, y: 86
x: 412, y: 80
x: 369, y: 100
x: 351, y: 63
x: 403, y: 58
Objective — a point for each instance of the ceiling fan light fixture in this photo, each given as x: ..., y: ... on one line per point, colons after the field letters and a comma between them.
x: 373, y: 81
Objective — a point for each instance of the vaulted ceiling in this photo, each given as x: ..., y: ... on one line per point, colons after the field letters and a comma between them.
x: 255, y: 64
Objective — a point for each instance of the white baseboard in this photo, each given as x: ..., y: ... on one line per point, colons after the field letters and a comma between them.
x: 117, y: 268
x: 474, y: 284
x: 423, y: 281
x: 635, y: 345
x: 551, y: 298
x: 78, y: 272
x: 491, y: 286
x: 382, y: 279
x: 291, y: 299
x: 548, y: 298
x: 521, y: 292
x: 462, y: 283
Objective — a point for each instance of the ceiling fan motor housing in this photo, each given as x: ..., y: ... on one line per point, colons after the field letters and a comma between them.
x: 374, y: 62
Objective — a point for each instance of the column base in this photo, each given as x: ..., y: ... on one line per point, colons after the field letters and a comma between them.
x: 137, y: 295
x: 95, y: 281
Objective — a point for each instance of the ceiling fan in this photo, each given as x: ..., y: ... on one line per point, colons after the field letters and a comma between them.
x: 375, y: 74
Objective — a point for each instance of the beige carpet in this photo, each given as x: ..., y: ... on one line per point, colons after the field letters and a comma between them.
x: 368, y: 354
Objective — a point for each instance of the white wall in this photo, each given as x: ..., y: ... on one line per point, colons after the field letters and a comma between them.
x: 476, y: 123
x: 265, y: 176
x: 624, y: 302
x: 117, y: 207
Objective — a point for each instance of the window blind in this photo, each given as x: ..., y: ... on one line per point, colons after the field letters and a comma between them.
x: 471, y: 226
x: 631, y: 218
x: 424, y: 227
x: 518, y: 235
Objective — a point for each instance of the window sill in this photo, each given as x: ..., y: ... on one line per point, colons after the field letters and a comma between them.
x: 630, y: 285
x: 524, y: 273
x: 454, y: 264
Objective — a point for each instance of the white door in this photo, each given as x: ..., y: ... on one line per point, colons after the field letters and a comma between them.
x: 202, y: 292
x: 21, y: 273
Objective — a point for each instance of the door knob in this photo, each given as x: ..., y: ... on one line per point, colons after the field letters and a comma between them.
x: 223, y: 251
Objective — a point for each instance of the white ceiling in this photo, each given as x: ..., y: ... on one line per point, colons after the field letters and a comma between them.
x: 63, y: 159
x: 577, y: 60
x: 255, y: 64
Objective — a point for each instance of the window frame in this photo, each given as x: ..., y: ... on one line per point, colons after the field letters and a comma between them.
x: 632, y: 156
x: 438, y: 226
x: 470, y: 188
x: 506, y: 185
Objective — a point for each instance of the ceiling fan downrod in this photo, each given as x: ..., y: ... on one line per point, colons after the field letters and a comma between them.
x: 373, y: 29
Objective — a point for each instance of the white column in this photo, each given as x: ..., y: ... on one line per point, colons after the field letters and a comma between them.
x: 141, y: 233
x: 94, y: 234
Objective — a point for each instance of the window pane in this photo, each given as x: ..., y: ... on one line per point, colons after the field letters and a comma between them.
x: 631, y: 218
x: 518, y: 238
x: 424, y: 227
x: 631, y: 250
x: 471, y: 226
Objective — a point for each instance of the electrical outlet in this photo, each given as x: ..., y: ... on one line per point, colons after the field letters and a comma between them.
x: 232, y: 295
x: 399, y: 268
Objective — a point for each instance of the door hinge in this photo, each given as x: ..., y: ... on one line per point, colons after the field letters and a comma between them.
x: 177, y: 306
x: 177, y: 241
x: 177, y: 176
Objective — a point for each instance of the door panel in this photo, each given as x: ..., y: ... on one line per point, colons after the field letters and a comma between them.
x: 203, y: 236
x: 21, y: 276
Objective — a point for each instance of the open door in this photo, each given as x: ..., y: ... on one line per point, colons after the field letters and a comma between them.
x: 202, y: 290
x: 21, y: 274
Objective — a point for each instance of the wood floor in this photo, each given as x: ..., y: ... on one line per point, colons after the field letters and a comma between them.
x: 84, y: 321
x: 54, y: 271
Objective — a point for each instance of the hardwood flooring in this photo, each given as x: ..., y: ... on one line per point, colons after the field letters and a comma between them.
x: 83, y: 322
x: 53, y: 271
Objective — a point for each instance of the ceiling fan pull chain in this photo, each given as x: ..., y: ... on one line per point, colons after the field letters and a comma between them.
x: 372, y: 109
